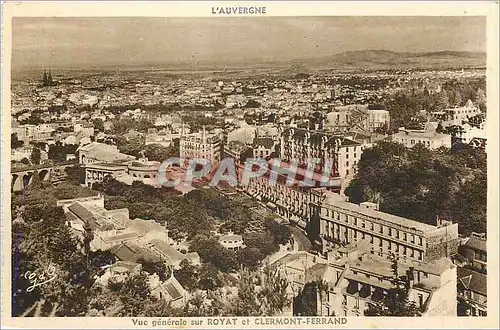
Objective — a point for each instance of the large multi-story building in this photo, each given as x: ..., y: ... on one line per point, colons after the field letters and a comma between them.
x: 237, y: 151
x: 345, y: 118
x: 127, y: 172
x: 378, y: 118
x: 84, y: 126
x: 263, y: 147
x: 428, y: 138
x: 341, y: 152
x: 200, y: 145
x: 357, y: 279
x: 96, y: 152
x: 349, y: 155
x: 34, y: 133
x: 474, y: 251
x: 287, y: 200
x: 472, y: 290
x: 286, y: 195
x: 352, y: 278
x: 302, y: 145
x: 341, y: 222
x: 163, y: 137
x: 473, y: 136
x: 456, y: 116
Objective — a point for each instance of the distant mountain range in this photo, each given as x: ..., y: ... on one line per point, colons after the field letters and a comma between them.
x: 380, y: 59
x: 345, y: 61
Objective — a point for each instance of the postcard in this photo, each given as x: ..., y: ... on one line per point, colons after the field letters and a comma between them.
x: 249, y: 164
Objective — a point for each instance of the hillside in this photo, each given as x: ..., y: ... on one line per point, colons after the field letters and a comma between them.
x: 385, y: 59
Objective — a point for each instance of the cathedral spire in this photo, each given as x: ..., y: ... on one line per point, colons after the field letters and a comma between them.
x: 49, y: 78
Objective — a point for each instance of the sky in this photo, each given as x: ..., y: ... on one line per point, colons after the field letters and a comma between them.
x: 100, y: 41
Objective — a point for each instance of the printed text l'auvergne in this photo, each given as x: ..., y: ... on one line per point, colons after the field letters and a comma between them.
x: 238, y: 10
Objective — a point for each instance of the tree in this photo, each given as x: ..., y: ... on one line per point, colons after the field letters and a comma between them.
x: 443, y: 101
x: 133, y: 146
x: 481, y: 99
x: 101, y: 258
x: 15, y: 142
x: 210, y: 277
x: 161, y: 308
x: 421, y: 184
x: 76, y: 174
x: 211, y: 251
x: 470, y: 205
x: 249, y: 257
x: 159, y: 153
x: 58, y: 151
x: 68, y: 190
x: 252, y: 104
x: 47, y: 243
x: 275, y: 292
x: 455, y: 97
x: 155, y: 268
x: 133, y: 294
x: 35, y: 156
x: 395, y: 303
x: 247, y: 303
x: 305, y: 304
x: 187, y: 275
x: 262, y: 241
x: 439, y: 128
x: 281, y: 233
x: 36, y: 183
x: 98, y: 124
x: 197, y: 306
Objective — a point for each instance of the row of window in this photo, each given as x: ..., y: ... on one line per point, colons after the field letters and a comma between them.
x: 231, y: 242
x: 381, y: 229
x: 465, y: 111
x: 390, y: 246
x: 354, y: 163
x: 354, y: 149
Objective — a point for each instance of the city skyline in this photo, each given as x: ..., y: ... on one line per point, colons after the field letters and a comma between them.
x: 53, y: 42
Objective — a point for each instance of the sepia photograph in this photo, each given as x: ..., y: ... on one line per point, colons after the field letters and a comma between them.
x: 283, y: 171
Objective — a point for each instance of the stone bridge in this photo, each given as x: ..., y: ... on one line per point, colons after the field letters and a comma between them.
x: 22, y: 177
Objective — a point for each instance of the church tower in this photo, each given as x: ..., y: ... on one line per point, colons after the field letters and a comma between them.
x: 45, y: 79
x: 49, y: 79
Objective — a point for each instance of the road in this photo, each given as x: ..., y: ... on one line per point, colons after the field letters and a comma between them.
x: 301, y: 239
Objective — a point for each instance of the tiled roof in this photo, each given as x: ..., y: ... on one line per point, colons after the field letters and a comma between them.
x: 267, y: 143
x: 476, y: 243
x: 142, y: 226
x: 104, y: 152
x: 172, y: 291
x: 121, y: 237
x: 133, y: 252
x: 338, y: 202
x: 287, y: 259
x: 473, y: 280
x: 84, y: 215
x: 174, y: 255
x: 125, y: 265
x: 231, y: 237
x: 315, y: 137
x: 349, y: 143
